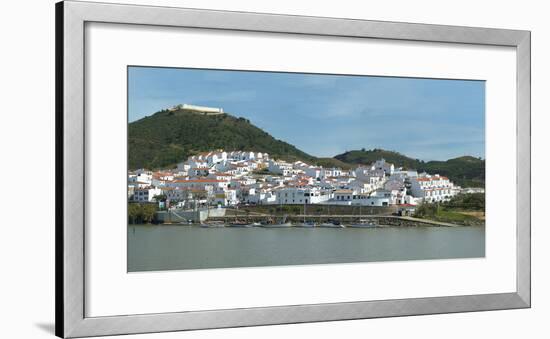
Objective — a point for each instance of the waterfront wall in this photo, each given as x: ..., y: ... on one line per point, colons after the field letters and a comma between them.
x: 176, y: 216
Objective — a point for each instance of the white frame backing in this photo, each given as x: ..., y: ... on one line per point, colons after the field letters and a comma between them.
x: 70, y: 168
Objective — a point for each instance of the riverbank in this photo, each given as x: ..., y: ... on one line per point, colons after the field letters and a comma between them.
x: 463, y: 209
x: 457, y: 217
x: 341, y: 221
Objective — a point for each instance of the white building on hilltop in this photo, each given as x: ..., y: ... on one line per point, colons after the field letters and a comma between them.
x: 198, y: 109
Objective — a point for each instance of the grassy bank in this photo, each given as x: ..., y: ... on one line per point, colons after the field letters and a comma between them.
x: 463, y: 209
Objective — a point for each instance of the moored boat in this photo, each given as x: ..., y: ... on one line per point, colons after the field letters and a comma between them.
x: 331, y: 225
x: 212, y: 224
x: 239, y: 224
x: 307, y: 224
x: 278, y: 225
x: 363, y: 224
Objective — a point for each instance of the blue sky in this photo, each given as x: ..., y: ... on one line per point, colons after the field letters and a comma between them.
x: 325, y: 115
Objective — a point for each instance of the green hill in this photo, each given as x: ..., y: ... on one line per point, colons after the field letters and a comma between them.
x: 168, y: 137
x: 465, y: 171
x: 366, y: 157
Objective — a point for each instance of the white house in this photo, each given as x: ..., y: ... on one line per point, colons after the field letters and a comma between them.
x: 145, y: 194
x: 203, y: 184
x: 394, y: 184
x: 279, y: 167
x: 294, y: 195
x: 140, y: 177
x: 239, y: 168
x: 314, y: 172
x: 378, y: 198
x: 370, y: 175
x: 331, y: 172
x: 177, y: 193
x: 433, y: 188
x: 384, y: 166
x: 361, y: 186
x: 261, y: 197
x: 346, y: 195
x: 226, y: 197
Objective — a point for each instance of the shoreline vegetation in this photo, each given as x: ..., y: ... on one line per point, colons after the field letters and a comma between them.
x: 461, y: 210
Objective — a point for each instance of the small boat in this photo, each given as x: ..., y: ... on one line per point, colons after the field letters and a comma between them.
x: 187, y: 223
x: 363, y: 224
x: 278, y: 225
x: 331, y: 225
x: 254, y: 224
x: 239, y: 224
x: 307, y: 224
x: 212, y: 225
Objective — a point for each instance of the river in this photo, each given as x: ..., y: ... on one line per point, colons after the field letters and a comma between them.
x: 175, y: 247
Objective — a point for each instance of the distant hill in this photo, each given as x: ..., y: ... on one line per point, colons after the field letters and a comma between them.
x: 170, y: 136
x: 465, y: 171
x: 366, y: 157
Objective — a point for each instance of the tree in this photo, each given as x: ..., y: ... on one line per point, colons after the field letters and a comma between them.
x: 141, y: 213
x: 148, y: 212
x: 160, y: 197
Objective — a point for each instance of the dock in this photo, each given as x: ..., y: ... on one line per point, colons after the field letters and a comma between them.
x: 378, y: 220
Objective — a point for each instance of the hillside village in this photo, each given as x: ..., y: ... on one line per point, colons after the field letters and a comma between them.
x: 234, y: 178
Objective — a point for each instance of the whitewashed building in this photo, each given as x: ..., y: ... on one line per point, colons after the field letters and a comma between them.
x: 433, y: 188
x: 279, y: 167
x: 203, y: 184
x: 294, y: 195
x: 145, y: 194
x: 383, y: 166
x: 314, y: 172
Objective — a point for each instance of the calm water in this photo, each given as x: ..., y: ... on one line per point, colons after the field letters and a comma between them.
x: 171, y: 247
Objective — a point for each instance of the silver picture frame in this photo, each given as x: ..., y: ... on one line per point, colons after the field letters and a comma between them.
x: 71, y: 18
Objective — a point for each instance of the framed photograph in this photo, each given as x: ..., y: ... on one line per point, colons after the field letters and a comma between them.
x: 221, y: 169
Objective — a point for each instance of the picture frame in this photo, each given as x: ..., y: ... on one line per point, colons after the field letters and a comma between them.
x: 71, y: 170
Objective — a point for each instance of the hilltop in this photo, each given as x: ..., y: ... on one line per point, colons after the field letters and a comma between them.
x: 169, y: 136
